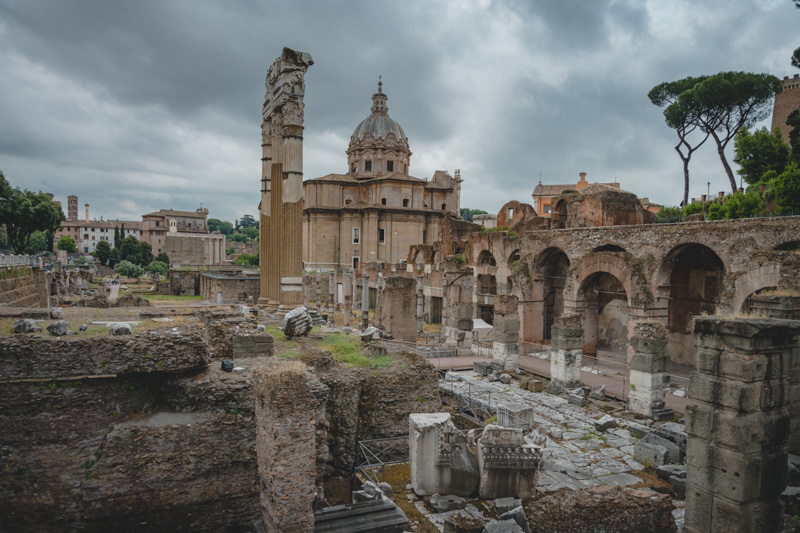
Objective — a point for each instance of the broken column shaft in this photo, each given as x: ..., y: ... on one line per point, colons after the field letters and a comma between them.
x: 505, y: 346
x: 738, y: 424
x: 649, y: 380
x: 566, y: 355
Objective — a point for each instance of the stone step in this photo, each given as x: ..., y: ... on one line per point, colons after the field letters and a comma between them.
x: 663, y: 414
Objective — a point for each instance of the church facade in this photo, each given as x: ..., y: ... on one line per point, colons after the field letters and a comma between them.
x: 376, y: 211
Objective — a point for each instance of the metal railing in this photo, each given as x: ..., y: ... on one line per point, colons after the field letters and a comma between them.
x: 610, y: 369
x: 378, y: 453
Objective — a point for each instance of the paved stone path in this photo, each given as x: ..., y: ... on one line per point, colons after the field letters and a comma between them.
x: 614, y: 387
x: 582, y: 457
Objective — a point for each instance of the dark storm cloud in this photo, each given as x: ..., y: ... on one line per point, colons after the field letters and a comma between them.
x: 136, y: 106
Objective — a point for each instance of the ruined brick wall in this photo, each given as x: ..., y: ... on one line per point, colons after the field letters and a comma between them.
x: 167, y: 350
x: 785, y: 103
x: 184, y: 283
x: 396, y: 308
x: 20, y: 287
x: 289, y: 410
x: 158, y: 447
x: 234, y: 288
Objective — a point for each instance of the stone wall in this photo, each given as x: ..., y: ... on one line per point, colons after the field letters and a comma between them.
x: 171, y: 350
x: 184, y: 283
x: 290, y: 409
x: 395, y: 308
x: 157, y: 442
x: 223, y: 288
x: 23, y: 286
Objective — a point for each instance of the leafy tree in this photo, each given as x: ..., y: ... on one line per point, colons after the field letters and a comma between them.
x: 695, y: 207
x: 229, y: 251
x: 793, y: 120
x: 787, y: 190
x: 130, y: 250
x: 23, y: 212
x: 760, y: 152
x: 247, y: 221
x: 3, y: 238
x: 681, y: 116
x: 740, y: 205
x: 669, y: 212
x: 467, y: 213
x: 222, y: 226
x: 38, y: 243
x: 117, y: 237
x: 157, y: 267
x: 102, y: 252
x: 163, y: 257
x: 113, y: 258
x: 251, y: 233
x: 247, y: 259
x: 726, y: 102
x: 145, y: 253
x: 129, y: 270
x: 239, y: 237
x: 796, y: 58
x: 68, y: 243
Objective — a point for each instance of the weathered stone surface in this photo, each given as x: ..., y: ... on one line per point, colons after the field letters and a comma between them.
x: 461, y: 522
x: 509, y: 465
x: 503, y: 505
x: 297, y: 322
x: 379, y: 514
x: 602, y: 509
x: 395, y: 308
x: 505, y: 379
x: 160, y: 351
x: 119, y: 329
x: 441, y: 504
x: 605, y: 422
x: 482, y: 367
x: 371, y: 334
x: 58, y: 328
x: 598, y: 393
x: 517, y: 515
x: 56, y: 313
x: 504, y: 526
x: 24, y: 325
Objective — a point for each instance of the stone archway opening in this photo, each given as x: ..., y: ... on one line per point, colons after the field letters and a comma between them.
x: 605, y: 316
x: 487, y: 280
x: 609, y: 248
x: 693, y: 274
x: 552, y: 266
x: 559, y: 215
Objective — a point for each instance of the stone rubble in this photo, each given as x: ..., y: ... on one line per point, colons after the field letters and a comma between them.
x: 58, y: 328
x: 297, y: 322
x: 120, y: 328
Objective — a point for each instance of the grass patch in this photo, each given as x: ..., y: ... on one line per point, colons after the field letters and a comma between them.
x: 347, y: 349
x: 276, y: 333
x: 290, y: 354
x: 169, y: 297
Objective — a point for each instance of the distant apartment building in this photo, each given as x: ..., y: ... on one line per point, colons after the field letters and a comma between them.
x: 183, y: 235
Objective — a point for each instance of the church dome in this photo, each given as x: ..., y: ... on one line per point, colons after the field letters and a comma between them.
x: 379, y: 123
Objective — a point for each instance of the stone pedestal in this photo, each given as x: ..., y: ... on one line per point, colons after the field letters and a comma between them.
x: 457, y: 314
x: 439, y: 457
x: 509, y: 465
x: 505, y: 347
x: 566, y: 356
x: 649, y: 380
x: 394, y: 309
x: 738, y: 424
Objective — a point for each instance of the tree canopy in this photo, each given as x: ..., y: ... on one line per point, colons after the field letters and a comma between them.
x: 102, y: 252
x: 67, y: 243
x: 726, y: 102
x: 759, y: 153
x: 24, y: 212
x: 247, y: 221
x: 223, y: 226
x: 683, y: 118
x: 467, y: 213
x: 787, y: 190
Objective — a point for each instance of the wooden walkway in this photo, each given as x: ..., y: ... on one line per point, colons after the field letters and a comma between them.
x: 615, y: 388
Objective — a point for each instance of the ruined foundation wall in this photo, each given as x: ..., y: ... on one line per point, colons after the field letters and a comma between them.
x: 290, y: 407
x: 158, y: 447
x: 22, y: 287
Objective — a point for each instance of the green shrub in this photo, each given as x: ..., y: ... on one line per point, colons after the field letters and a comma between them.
x: 129, y: 270
x: 157, y: 267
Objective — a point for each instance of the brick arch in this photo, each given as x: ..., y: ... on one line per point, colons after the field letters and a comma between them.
x: 597, y: 263
x: 486, y: 255
x: 759, y: 278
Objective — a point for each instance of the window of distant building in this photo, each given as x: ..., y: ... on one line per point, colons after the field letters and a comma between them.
x: 356, y: 235
x: 547, y: 209
x: 444, y: 207
x: 390, y: 166
x: 383, y: 201
x: 93, y: 230
x: 348, y: 201
x: 405, y: 202
x: 367, y: 166
x: 92, y: 237
x: 381, y: 235
x: 86, y: 236
x: 355, y: 262
x: 156, y: 223
x: 510, y: 213
x: 86, y: 249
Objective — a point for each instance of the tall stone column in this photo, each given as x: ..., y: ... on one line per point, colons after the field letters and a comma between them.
x: 566, y: 355
x: 420, y: 304
x: 648, y: 376
x: 738, y: 424
x: 281, y: 207
x: 347, y: 291
x: 364, y: 300
x: 505, y: 347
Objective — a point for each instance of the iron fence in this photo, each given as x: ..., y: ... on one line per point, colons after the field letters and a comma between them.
x: 377, y: 453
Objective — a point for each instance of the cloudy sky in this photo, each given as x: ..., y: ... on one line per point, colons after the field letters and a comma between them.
x: 141, y: 105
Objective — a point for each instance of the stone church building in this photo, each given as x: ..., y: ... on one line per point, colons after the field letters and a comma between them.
x: 376, y: 211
